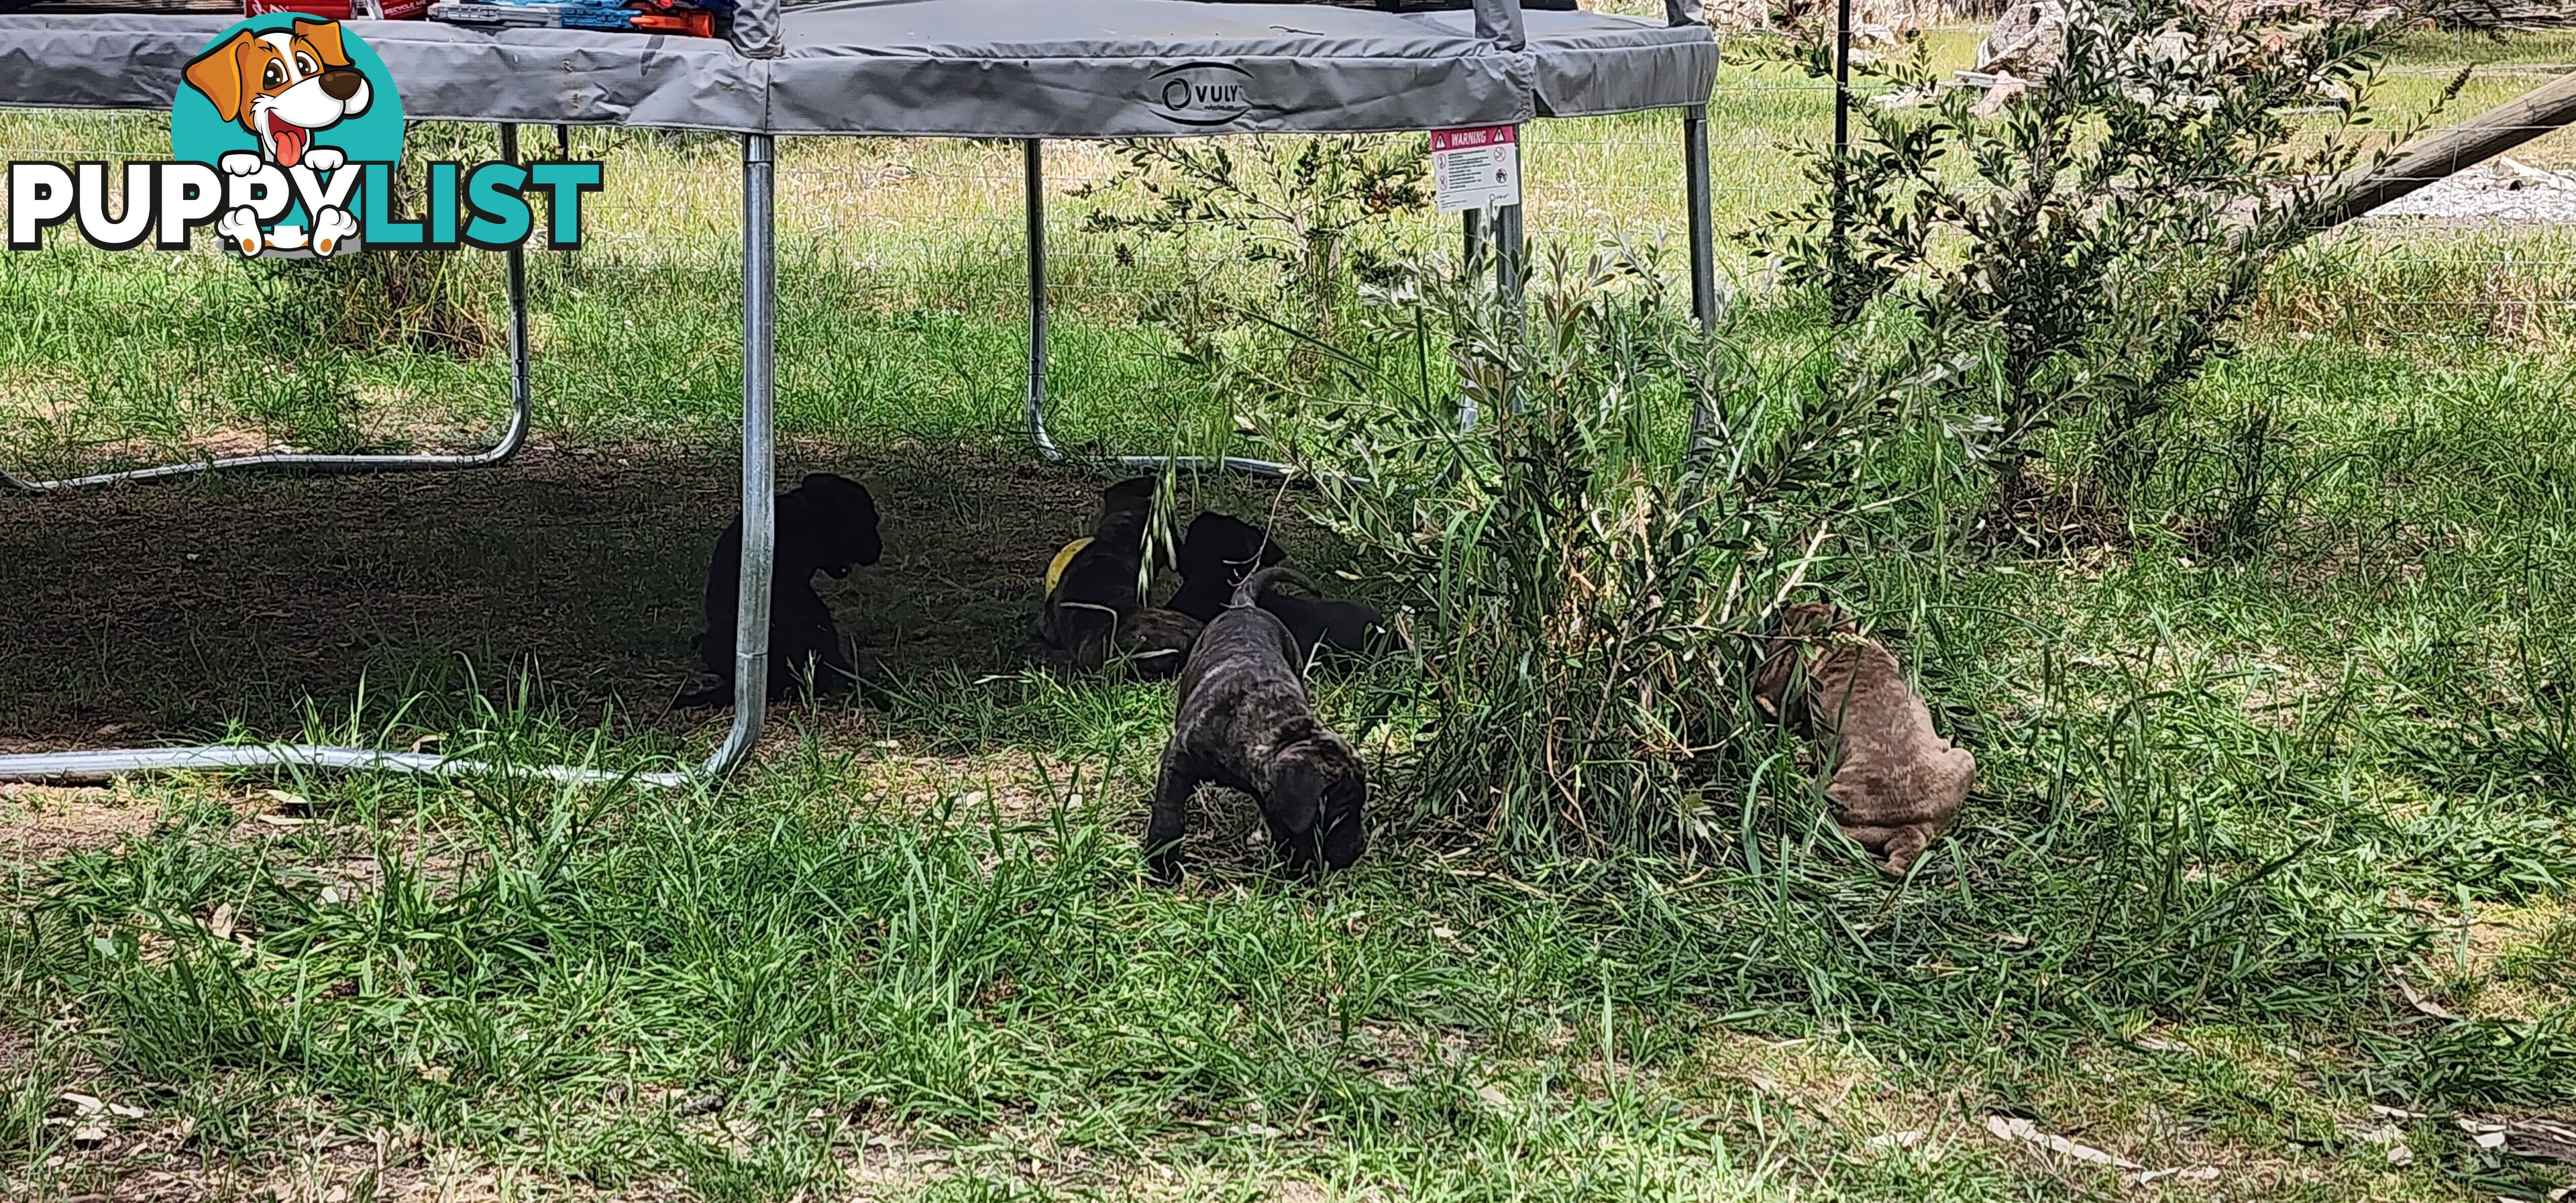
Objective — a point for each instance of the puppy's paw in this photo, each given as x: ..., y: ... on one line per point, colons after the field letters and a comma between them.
x: 240, y: 162
x: 330, y: 228
x: 1164, y: 866
x: 241, y: 226
x: 324, y: 158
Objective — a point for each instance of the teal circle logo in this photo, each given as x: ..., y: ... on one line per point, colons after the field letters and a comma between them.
x: 281, y: 105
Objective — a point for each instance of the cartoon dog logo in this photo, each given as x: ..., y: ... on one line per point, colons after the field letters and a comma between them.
x: 283, y: 86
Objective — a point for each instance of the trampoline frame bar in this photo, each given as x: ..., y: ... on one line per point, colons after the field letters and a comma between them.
x: 1703, y: 221
x: 513, y: 437
x: 759, y: 497
x: 759, y: 546
x: 1703, y: 254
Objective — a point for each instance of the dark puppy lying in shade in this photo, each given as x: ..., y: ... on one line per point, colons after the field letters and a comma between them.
x: 1095, y: 604
x: 1894, y: 782
x: 826, y: 524
x: 1216, y: 554
x: 1220, y: 551
x: 1155, y: 643
x: 1242, y: 721
x: 1338, y: 626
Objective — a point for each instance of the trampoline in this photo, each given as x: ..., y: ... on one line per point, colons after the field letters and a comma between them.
x: 1027, y: 70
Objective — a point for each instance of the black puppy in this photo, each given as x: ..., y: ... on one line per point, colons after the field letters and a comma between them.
x: 1101, y: 588
x: 1242, y: 721
x: 1216, y: 554
x: 827, y: 524
x: 1337, y: 625
x: 1219, y: 551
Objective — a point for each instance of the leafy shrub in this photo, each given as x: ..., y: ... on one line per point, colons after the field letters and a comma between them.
x: 1578, y: 590
x: 2093, y: 234
x: 1310, y: 212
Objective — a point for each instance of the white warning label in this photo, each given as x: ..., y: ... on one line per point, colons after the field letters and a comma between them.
x: 1476, y: 168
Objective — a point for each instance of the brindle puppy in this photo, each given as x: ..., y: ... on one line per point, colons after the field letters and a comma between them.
x: 1242, y: 720
x: 1895, y: 783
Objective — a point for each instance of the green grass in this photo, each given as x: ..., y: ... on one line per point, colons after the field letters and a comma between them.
x: 2233, y: 793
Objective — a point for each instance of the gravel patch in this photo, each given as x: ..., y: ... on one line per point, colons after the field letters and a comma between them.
x: 2502, y: 192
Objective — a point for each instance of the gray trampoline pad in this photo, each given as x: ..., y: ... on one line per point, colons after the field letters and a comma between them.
x: 444, y: 72
x: 966, y: 68
x: 1135, y: 68
x: 1590, y: 63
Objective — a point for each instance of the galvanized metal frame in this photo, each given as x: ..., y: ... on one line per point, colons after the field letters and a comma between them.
x: 759, y: 544
x: 513, y: 436
x: 759, y: 338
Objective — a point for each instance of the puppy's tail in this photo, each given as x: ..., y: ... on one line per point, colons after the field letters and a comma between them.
x: 1253, y: 587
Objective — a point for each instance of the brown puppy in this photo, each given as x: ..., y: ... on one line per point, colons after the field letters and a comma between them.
x: 1155, y: 643
x: 1895, y: 783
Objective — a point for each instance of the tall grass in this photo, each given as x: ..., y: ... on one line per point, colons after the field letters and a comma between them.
x: 1582, y: 566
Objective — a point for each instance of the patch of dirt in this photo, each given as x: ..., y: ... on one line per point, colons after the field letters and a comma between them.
x: 1014, y: 788
x: 2500, y: 962
x: 161, y: 612
x: 41, y: 822
x: 2041, y: 514
x: 155, y: 1163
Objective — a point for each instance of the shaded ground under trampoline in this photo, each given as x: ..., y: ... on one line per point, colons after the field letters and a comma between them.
x: 981, y: 68
x: 146, y: 614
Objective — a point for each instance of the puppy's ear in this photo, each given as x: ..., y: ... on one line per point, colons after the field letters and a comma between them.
x: 216, y: 75
x: 1776, y: 687
x: 325, y: 36
x: 1297, y: 782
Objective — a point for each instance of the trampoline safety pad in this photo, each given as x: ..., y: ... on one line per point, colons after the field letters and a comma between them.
x: 953, y: 68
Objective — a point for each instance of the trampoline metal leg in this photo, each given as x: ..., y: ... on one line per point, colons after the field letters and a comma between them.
x: 1703, y: 243
x: 512, y: 439
x: 1033, y: 157
x: 751, y: 638
x: 1703, y: 226
x: 1510, y: 283
x: 759, y: 432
